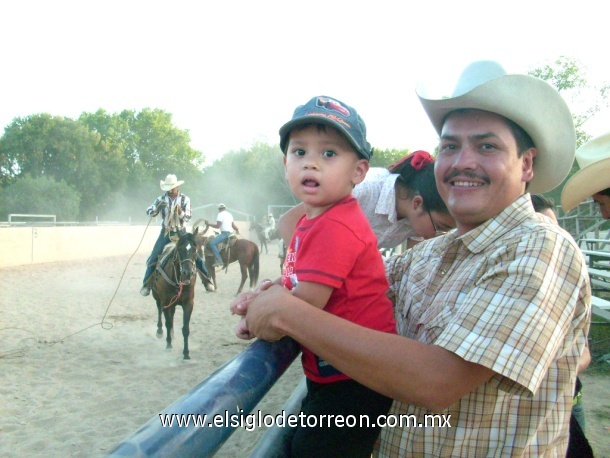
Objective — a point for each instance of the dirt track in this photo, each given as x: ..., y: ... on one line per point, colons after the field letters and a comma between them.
x: 82, y: 396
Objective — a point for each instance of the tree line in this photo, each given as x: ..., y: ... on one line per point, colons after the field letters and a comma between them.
x: 108, y: 165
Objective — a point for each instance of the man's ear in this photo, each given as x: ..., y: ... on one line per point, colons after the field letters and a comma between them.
x: 362, y: 167
x: 285, y: 170
x: 528, y: 164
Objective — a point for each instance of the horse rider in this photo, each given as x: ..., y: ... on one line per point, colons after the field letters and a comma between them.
x: 270, y: 226
x: 175, y: 209
x: 226, y: 223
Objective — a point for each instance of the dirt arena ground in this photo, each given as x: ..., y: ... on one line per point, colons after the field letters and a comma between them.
x: 84, y: 394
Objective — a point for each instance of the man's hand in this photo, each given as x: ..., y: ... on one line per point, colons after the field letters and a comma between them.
x: 261, y: 311
x: 162, y: 204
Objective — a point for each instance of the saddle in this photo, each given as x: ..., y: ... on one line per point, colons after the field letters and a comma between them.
x: 222, y: 246
x: 161, y: 262
x: 165, y: 255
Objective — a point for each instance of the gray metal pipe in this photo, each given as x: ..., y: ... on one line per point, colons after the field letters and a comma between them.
x: 229, y: 393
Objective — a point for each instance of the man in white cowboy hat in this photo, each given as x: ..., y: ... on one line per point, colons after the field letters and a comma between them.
x: 269, y: 226
x: 226, y: 223
x: 175, y: 209
x: 492, y: 316
x: 593, y: 178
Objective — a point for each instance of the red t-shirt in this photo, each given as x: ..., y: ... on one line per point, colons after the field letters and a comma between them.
x: 339, y: 249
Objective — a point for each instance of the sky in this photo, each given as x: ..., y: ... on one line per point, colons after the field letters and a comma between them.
x: 231, y: 73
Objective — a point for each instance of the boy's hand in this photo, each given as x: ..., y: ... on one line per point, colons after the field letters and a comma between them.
x: 263, y: 309
x: 239, y: 305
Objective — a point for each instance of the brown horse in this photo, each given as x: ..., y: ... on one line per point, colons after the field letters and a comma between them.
x: 174, y: 284
x: 242, y: 250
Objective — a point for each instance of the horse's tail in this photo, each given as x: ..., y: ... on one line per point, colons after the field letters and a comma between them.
x: 255, y: 261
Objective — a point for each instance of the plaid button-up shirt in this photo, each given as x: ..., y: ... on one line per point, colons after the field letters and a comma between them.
x: 512, y: 295
x: 170, y: 219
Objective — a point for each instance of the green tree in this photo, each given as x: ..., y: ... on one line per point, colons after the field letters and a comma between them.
x: 65, y: 150
x: 248, y: 179
x: 585, y: 99
x: 40, y: 195
x: 387, y: 157
x: 152, y: 146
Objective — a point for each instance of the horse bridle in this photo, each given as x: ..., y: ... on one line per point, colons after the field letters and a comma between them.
x: 181, y: 262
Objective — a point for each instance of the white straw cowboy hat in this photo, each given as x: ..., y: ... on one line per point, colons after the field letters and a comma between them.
x: 593, y: 159
x: 529, y: 102
x: 221, y: 206
x: 170, y: 183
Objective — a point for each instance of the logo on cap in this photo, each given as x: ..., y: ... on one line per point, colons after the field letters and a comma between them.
x: 332, y: 105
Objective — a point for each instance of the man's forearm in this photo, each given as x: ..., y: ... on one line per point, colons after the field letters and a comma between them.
x: 398, y: 367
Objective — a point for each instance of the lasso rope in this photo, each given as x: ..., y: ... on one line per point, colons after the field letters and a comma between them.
x: 174, y: 299
x: 103, y: 324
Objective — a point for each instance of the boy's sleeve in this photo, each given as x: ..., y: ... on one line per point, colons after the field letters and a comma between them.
x: 329, y: 254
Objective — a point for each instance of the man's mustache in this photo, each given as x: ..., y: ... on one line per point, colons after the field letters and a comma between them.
x: 465, y: 174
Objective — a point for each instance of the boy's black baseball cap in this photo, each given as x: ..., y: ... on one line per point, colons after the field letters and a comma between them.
x: 332, y: 112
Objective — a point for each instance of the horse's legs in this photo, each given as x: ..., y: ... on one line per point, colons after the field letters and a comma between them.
x: 251, y: 275
x: 159, y: 323
x: 186, y: 318
x: 209, y: 264
x: 244, y: 274
x: 169, y: 324
x: 262, y: 240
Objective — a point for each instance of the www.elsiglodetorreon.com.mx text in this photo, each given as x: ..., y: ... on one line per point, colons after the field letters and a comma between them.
x: 257, y: 420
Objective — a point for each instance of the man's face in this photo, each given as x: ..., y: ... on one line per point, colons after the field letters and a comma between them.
x: 604, y: 204
x: 173, y: 192
x: 478, y: 170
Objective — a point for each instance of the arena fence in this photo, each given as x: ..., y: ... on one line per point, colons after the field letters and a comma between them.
x: 21, y: 245
x: 234, y: 389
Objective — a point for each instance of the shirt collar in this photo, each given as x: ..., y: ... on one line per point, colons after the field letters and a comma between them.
x: 479, y: 238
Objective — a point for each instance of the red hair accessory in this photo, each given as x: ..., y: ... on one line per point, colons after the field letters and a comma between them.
x: 418, y: 160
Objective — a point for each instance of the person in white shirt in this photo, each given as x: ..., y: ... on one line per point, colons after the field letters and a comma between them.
x: 270, y: 226
x: 226, y: 224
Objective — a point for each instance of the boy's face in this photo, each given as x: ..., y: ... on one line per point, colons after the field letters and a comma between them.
x: 478, y: 170
x: 321, y: 167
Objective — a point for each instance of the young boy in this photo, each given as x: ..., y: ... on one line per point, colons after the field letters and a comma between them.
x: 334, y: 264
